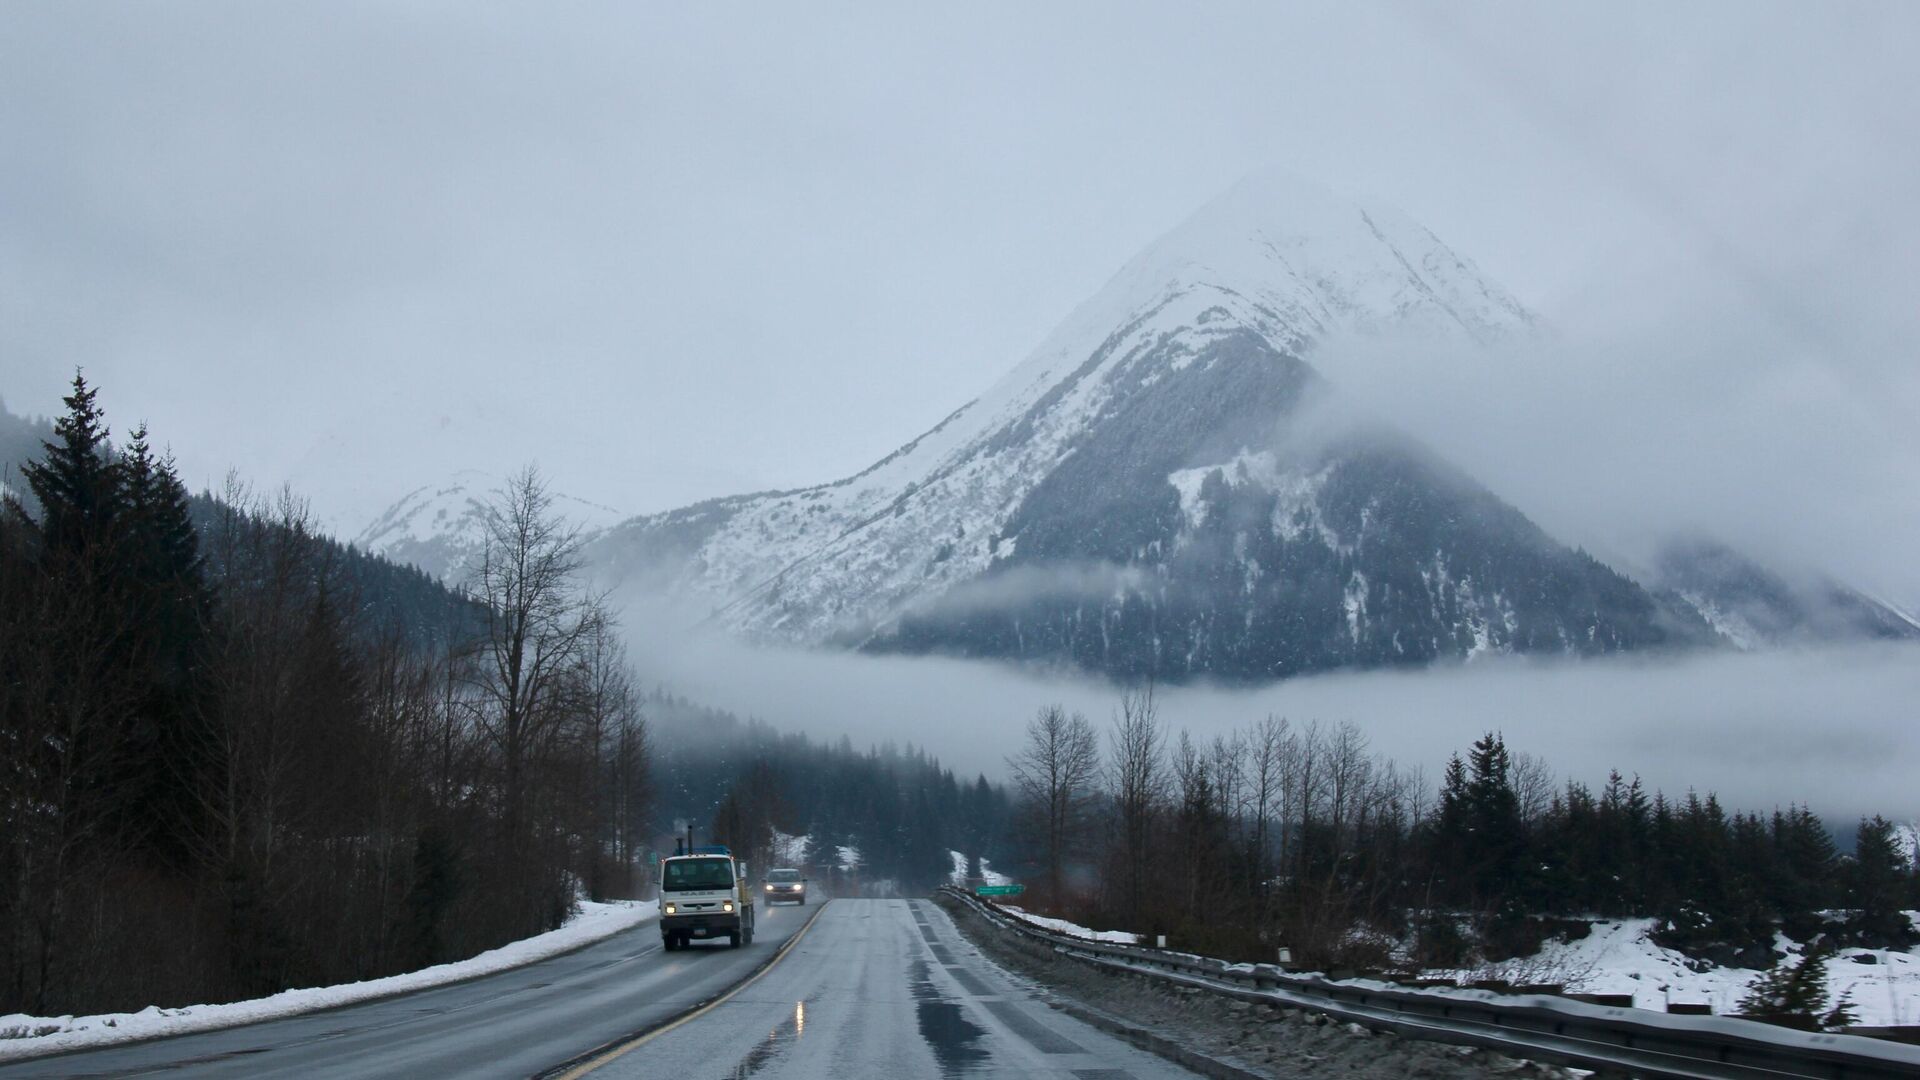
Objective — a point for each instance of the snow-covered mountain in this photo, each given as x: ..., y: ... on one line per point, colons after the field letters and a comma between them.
x: 1164, y: 488
x: 441, y: 528
x: 1148, y: 492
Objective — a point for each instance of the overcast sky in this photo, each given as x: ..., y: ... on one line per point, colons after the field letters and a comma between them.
x: 676, y: 251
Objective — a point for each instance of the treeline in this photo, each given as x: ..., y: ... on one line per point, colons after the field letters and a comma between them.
x: 1301, y: 836
x: 738, y: 781
x: 236, y: 757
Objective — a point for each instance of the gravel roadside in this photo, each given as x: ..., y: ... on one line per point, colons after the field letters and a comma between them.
x: 1248, y: 1039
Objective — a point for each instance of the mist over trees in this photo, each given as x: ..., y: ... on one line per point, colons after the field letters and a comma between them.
x: 738, y: 782
x: 236, y: 757
x: 1301, y: 835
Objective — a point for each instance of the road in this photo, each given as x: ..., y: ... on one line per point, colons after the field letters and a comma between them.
x: 881, y: 988
x: 873, y: 988
x: 513, y: 1024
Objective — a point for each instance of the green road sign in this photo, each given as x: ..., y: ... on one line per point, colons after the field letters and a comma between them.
x: 999, y: 890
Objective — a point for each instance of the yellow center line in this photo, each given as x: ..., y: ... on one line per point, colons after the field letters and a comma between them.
x: 586, y: 1067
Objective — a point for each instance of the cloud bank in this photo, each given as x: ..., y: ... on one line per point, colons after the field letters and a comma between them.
x: 1830, y: 727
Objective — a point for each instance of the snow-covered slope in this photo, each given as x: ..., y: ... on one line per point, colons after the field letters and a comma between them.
x: 1620, y: 957
x: 1275, y: 260
x: 441, y: 528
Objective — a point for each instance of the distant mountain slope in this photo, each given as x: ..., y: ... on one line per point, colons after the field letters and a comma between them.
x: 387, y: 596
x: 392, y: 595
x: 1755, y: 608
x: 441, y: 528
x: 20, y: 440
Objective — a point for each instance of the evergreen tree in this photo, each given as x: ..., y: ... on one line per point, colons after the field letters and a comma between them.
x: 1496, y: 836
x: 1877, y: 888
x: 77, y: 483
x: 1805, y: 871
x: 1792, y: 996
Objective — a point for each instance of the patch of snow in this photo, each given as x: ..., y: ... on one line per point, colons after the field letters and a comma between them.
x: 849, y: 857
x: 1619, y: 957
x: 1296, y: 509
x: 1355, y: 602
x: 1906, y: 840
x: 23, y: 1036
x: 988, y: 875
x: 1062, y: 926
x: 789, y: 851
x: 1738, y: 631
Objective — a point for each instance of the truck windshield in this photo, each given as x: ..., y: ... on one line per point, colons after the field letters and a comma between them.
x: 698, y: 874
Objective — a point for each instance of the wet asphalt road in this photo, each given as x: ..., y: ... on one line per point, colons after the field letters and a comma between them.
x: 883, y: 988
x: 512, y: 1024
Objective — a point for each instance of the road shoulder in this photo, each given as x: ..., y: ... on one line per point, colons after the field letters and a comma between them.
x: 70, y: 1035
x: 1219, y: 1037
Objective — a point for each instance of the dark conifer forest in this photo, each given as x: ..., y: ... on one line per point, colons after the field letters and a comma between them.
x: 238, y: 757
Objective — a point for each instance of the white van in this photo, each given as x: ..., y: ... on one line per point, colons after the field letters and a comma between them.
x: 705, y: 895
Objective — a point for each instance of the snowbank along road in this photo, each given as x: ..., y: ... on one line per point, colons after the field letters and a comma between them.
x: 879, y: 988
x: 513, y: 1024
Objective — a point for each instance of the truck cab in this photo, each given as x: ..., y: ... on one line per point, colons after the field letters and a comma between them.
x: 705, y: 894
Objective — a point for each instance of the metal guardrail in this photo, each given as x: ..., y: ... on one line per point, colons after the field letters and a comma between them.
x: 1569, y: 1032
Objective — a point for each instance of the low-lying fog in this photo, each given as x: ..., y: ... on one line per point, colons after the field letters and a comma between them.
x: 1835, y: 727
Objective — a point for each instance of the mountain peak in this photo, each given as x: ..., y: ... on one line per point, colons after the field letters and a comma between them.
x: 1326, y: 264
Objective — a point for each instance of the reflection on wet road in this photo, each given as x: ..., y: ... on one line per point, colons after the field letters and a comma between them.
x: 885, y: 988
x: 954, y: 1040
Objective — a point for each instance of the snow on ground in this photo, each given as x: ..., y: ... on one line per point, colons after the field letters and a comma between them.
x: 1618, y: 958
x: 988, y: 875
x: 24, y: 1036
x: 1062, y: 926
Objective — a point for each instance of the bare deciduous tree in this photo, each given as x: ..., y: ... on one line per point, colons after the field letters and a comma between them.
x: 537, y: 623
x: 1137, y: 785
x: 1054, y: 772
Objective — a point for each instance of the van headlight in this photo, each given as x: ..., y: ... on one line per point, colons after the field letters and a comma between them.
x: 671, y: 909
x: 726, y: 905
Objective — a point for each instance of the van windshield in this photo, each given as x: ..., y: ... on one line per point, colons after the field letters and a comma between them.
x: 783, y: 875
x: 697, y: 874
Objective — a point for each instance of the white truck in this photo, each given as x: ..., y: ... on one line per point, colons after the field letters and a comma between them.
x: 704, y: 893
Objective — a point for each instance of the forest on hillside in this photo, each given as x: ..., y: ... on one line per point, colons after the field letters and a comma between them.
x: 237, y: 757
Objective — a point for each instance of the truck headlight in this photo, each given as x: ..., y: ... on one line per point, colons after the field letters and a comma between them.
x: 671, y: 909
x: 726, y: 905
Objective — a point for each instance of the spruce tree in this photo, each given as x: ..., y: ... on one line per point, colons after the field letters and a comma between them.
x: 1497, y: 837
x: 1793, y: 996
x: 77, y: 483
x: 1876, y: 888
